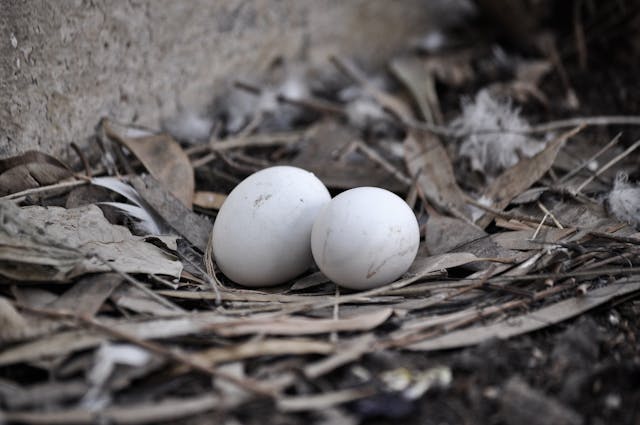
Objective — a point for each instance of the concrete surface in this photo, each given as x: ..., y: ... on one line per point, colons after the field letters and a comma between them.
x: 65, y: 64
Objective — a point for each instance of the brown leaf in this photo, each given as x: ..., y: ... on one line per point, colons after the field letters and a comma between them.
x: 88, y: 294
x: 322, y: 401
x: 11, y: 321
x: 302, y: 325
x: 69, y: 341
x: 29, y: 170
x: 164, y: 159
x: 529, y: 322
x: 445, y: 234
x: 521, y: 176
x: 427, y: 158
x: 420, y: 82
x: 191, y: 226
x: 346, y: 352
x: 35, y: 395
x: 133, y: 299
x: 320, y: 153
x: 264, y: 347
x: 55, y: 244
x: 522, y: 239
x: 134, y: 414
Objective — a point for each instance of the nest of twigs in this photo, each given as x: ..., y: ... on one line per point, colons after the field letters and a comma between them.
x: 112, y: 309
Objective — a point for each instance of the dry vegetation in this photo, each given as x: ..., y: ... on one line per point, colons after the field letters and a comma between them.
x: 112, y: 311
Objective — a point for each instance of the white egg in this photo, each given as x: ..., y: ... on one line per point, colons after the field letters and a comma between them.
x: 261, y: 236
x: 365, y: 237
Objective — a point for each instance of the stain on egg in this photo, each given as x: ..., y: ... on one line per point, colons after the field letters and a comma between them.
x: 364, y: 238
x: 261, y: 236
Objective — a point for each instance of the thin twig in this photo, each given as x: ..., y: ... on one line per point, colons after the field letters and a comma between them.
x: 602, y: 120
x: 246, y: 384
x: 584, y: 164
x: 609, y: 165
x: 83, y: 158
x: 503, y: 214
x: 540, y: 224
x: 52, y: 187
x: 377, y: 158
x: 617, y: 238
x: 314, y: 104
x: 209, y: 265
x: 550, y: 214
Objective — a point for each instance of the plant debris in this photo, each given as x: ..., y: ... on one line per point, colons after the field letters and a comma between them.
x: 113, y: 310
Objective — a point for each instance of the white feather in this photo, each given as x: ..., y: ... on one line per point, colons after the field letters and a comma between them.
x: 624, y: 201
x: 492, y: 135
x: 147, y: 221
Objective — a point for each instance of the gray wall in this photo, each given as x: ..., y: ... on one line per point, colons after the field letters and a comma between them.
x: 64, y: 64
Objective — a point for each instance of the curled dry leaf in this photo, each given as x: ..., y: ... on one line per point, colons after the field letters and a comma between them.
x: 427, y: 159
x: 29, y: 170
x: 421, y: 83
x: 55, y: 244
x: 164, y: 159
x: 193, y: 227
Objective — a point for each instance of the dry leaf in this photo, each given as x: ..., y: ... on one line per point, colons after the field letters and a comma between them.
x: 515, y: 180
x: 445, y: 234
x: 149, y: 412
x: 55, y: 244
x: 191, y: 226
x: 529, y: 322
x: 303, y: 326
x: 322, y: 401
x: 421, y: 83
x: 264, y: 347
x: 164, y: 159
x: 70, y: 341
x: 427, y: 159
x: 322, y: 154
x: 29, y: 170
x: 88, y: 294
x: 522, y: 239
x: 12, y: 323
x: 35, y: 395
x: 133, y: 299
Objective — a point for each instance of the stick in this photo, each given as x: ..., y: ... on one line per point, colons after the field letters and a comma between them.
x: 246, y: 384
x: 588, y: 161
x: 609, y: 165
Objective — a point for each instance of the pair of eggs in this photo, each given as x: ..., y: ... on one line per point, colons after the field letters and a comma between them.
x: 277, y: 221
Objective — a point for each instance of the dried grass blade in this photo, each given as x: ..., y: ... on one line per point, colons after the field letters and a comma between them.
x: 266, y: 347
x: 539, y: 319
x: 322, y: 401
x: 302, y: 326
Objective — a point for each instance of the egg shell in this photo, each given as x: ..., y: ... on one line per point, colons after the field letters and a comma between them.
x: 261, y: 236
x: 365, y: 237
